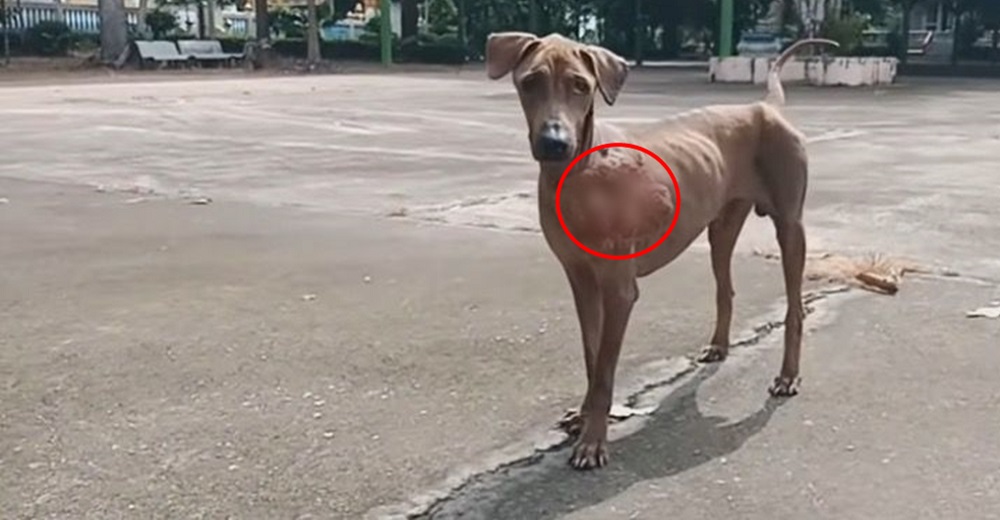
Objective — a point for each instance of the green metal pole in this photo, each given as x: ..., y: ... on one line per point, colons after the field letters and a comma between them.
x: 726, y: 29
x: 385, y: 32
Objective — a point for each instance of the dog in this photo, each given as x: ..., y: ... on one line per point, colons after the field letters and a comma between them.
x: 727, y: 160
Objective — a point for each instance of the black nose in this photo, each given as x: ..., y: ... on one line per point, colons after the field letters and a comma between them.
x: 553, y: 141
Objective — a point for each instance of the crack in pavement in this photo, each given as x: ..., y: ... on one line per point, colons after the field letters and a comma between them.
x: 512, y: 467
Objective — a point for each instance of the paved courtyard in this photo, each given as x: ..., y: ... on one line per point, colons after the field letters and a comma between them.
x: 326, y: 297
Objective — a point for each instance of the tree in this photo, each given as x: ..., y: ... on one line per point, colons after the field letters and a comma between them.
x: 262, y: 18
x: 989, y: 14
x: 410, y: 14
x: 312, y: 35
x: 906, y: 7
x: 114, y: 30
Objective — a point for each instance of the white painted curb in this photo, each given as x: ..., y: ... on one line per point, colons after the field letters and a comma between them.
x: 852, y: 72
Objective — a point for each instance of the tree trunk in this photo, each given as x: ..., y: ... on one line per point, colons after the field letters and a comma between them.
x: 143, y: 11
x: 410, y: 17
x: 956, y: 22
x: 533, y: 17
x: 6, y: 33
x: 114, y: 29
x: 312, y: 37
x: 202, y: 19
x: 463, y: 27
x: 210, y: 6
x: 263, y: 22
x: 905, y: 51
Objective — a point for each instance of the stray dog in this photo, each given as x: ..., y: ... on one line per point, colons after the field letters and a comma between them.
x: 727, y: 161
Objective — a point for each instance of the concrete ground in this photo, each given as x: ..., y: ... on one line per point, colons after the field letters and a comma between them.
x: 325, y: 297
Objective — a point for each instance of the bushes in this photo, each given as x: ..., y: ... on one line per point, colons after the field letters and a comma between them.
x: 161, y: 23
x: 296, y: 48
x: 48, y: 38
x: 847, y: 31
x: 430, y: 48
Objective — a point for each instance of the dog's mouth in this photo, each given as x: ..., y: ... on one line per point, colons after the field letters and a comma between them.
x: 551, y: 157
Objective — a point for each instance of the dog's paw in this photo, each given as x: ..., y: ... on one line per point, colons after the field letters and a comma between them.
x: 784, y: 386
x: 713, y: 354
x: 589, y: 455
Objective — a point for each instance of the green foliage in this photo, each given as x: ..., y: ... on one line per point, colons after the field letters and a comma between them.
x: 288, y: 23
x: 161, y: 23
x: 876, y: 10
x: 846, y: 30
x: 443, y: 16
x: 48, y: 38
x: 296, y: 48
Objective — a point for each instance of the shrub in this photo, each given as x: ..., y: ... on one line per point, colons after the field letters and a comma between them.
x: 431, y: 48
x: 296, y: 48
x: 443, y: 16
x: 161, y: 23
x: 48, y: 38
x: 847, y: 31
x: 288, y: 23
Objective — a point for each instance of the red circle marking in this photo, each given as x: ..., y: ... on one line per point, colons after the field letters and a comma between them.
x: 673, y: 179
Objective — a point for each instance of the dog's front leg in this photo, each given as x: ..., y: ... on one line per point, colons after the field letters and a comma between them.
x: 618, y: 293
x: 589, y: 311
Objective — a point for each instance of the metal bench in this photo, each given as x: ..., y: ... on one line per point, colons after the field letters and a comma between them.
x: 208, y: 51
x: 160, y: 53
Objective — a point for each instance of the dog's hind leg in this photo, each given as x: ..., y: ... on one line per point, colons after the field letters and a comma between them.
x: 722, y: 236
x: 792, y: 240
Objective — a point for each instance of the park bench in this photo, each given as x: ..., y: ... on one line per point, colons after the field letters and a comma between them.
x: 159, y: 52
x: 207, y: 51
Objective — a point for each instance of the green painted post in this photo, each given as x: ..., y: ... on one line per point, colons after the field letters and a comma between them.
x: 385, y: 32
x: 726, y: 29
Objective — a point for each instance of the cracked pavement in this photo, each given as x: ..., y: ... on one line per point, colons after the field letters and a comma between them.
x: 364, y: 323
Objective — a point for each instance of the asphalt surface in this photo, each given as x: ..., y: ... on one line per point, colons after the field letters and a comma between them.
x: 325, y: 297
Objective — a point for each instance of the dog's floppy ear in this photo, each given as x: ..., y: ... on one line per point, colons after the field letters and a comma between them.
x: 505, y: 50
x: 610, y: 70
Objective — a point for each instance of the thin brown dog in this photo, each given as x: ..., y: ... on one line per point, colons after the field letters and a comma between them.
x: 727, y: 160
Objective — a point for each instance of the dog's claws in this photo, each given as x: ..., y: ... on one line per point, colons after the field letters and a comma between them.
x: 572, y: 422
x: 713, y: 354
x: 784, y: 387
x: 589, y: 455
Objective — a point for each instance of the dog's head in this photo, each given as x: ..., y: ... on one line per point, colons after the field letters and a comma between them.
x: 557, y: 80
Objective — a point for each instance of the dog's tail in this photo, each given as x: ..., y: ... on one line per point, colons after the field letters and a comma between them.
x: 775, y: 92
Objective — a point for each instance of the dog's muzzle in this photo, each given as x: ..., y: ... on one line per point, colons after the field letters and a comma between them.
x: 554, y: 142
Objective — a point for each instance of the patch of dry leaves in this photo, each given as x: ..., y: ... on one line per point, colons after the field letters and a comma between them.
x: 873, y: 272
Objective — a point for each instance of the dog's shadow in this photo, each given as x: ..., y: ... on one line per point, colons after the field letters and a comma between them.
x: 677, y: 438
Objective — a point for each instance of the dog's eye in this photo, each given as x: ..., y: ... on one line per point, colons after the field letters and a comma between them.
x: 580, y: 86
x: 531, y: 81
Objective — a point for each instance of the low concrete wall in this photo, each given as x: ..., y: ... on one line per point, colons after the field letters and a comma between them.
x: 851, y: 72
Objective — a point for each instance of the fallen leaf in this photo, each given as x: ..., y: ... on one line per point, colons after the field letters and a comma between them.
x: 885, y: 284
